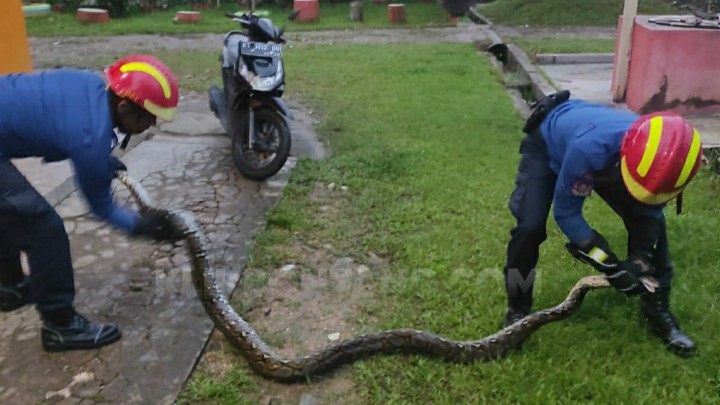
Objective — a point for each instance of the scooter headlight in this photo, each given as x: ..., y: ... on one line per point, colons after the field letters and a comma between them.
x: 269, y: 82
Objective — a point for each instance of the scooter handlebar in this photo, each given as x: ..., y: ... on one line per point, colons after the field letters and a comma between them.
x: 242, y: 19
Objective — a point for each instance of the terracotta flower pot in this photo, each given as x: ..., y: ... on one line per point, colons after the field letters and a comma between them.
x: 187, y: 17
x: 396, y: 13
x: 309, y: 10
x: 92, y: 15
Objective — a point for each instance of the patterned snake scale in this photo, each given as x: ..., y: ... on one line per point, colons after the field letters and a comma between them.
x: 269, y: 364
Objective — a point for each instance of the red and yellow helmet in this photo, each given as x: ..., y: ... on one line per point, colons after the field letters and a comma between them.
x: 659, y: 156
x: 147, y: 82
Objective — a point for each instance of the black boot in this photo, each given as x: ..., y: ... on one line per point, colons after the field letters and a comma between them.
x: 15, y: 296
x: 513, y: 315
x: 655, y: 309
x: 519, y: 290
x: 74, y: 332
x: 14, y: 286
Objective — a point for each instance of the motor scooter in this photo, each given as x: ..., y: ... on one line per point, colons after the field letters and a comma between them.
x: 250, y: 105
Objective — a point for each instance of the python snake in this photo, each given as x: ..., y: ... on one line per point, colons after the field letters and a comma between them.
x: 269, y: 364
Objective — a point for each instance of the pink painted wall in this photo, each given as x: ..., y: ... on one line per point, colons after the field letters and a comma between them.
x: 673, y: 68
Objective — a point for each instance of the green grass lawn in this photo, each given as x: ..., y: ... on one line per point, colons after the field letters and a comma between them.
x: 426, y: 139
x: 566, y: 12
x: 428, y: 148
x: 419, y: 14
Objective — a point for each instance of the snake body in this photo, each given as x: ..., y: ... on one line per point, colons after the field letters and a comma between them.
x: 267, y: 363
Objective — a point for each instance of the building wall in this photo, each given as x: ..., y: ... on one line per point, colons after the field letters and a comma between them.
x: 673, y: 68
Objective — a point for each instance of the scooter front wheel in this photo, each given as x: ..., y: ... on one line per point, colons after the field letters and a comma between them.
x: 270, y: 149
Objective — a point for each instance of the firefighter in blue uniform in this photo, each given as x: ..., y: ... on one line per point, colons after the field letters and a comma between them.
x: 635, y: 164
x: 59, y: 115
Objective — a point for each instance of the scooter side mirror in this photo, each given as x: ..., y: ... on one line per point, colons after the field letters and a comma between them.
x: 291, y: 17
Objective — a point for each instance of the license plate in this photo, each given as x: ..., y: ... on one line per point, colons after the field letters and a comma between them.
x: 260, y: 50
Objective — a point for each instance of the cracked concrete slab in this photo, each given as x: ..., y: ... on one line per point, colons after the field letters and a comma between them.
x: 142, y: 286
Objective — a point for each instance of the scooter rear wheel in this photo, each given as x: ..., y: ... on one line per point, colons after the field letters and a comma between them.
x: 270, y: 149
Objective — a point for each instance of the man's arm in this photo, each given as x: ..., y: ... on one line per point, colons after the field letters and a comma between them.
x: 94, y: 171
x: 573, y: 185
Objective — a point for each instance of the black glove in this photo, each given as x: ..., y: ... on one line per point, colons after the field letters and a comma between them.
x: 597, y: 253
x: 157, y: 226
x: 116, y: 166
x: 632, y: 277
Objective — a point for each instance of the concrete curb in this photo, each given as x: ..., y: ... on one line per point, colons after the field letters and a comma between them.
x: 520, y: 62
x: 476, y: 17
x: 512, y: 56
x: 570, y: 58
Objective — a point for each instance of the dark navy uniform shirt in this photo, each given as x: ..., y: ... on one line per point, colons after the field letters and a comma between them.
x: 64, y: 114
x: 583, y: 138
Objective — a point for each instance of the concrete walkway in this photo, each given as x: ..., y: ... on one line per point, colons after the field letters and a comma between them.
x: 143, y: 287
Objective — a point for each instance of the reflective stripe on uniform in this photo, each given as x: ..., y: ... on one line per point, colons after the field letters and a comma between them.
x: 598, y: 255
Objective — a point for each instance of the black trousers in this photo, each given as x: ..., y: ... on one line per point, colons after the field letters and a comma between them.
x: 530, y: 205
x: 28, y: 223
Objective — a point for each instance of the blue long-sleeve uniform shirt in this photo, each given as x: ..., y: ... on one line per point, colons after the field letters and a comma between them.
x: 583, y: 138
x: 64, y: 114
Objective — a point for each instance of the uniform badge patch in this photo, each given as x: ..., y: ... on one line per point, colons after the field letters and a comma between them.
x: 582, y: 187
